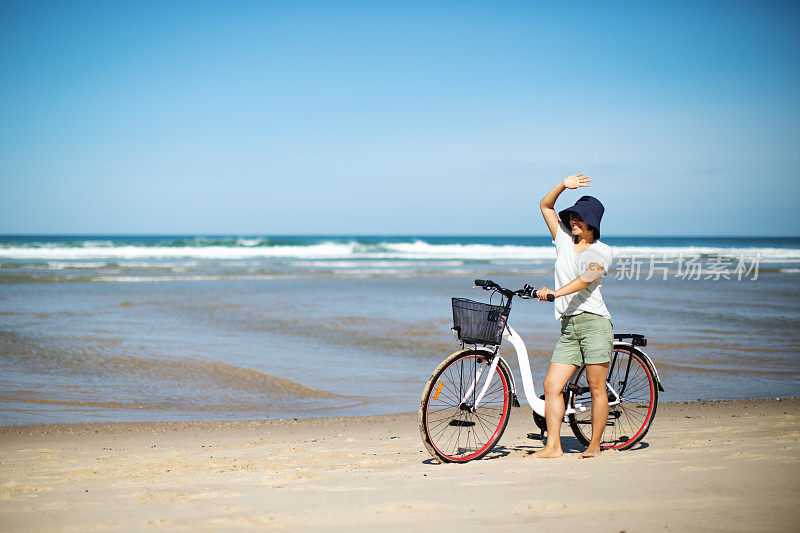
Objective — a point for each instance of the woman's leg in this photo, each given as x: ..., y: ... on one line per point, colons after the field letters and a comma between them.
x: 557, y: 376
x: 596, y: 375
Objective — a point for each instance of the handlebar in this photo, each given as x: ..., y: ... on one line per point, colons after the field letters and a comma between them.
x: 525, y: 292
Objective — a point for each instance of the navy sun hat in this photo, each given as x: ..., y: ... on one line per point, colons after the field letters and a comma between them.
x: 589, y: 209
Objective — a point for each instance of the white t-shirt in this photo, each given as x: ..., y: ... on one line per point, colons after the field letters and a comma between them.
x: 570, y: 265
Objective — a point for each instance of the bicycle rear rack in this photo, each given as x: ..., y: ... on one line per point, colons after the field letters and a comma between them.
x: 636, y: 338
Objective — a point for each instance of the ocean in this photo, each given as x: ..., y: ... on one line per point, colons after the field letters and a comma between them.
x: 124, y: 328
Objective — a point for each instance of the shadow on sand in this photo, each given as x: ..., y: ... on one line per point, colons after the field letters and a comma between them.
x: 568, y: 444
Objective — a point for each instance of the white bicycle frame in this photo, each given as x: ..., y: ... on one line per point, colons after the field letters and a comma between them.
x: 536, y: 403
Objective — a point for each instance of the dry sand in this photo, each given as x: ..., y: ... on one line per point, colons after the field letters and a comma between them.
x: 705, y: 466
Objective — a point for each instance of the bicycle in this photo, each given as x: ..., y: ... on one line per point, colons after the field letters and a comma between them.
x: 466, y: 403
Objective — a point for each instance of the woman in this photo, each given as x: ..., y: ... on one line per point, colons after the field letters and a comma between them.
x: 586, y: 330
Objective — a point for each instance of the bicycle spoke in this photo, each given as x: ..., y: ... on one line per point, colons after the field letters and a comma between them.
x: 487, y: 430
x: 458, y: 433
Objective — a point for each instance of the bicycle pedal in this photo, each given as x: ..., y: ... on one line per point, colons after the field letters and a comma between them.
x: 536, y: 436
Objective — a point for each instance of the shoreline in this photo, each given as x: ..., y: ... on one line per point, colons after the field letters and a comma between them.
x: 74, y: 428
x: 707, y: 465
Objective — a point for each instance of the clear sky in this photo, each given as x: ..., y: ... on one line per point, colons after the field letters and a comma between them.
x: 449, y: 117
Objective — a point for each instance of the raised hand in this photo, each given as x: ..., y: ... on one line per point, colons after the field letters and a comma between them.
x: 576, y: 180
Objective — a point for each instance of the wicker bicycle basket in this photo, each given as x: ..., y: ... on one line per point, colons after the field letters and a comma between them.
x: 478, y: 323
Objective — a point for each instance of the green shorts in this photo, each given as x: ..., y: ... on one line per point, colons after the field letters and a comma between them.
x: 585, y: 338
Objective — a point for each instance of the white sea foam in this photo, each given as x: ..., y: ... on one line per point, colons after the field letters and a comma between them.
x: 659, y: 252
x: 161, y: 264
x: 361, y: 263
x: 326, y: 250
x: 367, y: 272
x: 60, y: 265
x: 337, y: 251
x: 423, y: 250
x: 249, y: 242
x: 139, y: 279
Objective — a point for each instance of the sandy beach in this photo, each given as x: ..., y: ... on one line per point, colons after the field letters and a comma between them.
x: 705, y: 466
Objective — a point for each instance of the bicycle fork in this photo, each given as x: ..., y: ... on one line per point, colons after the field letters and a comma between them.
x: 464, y: 406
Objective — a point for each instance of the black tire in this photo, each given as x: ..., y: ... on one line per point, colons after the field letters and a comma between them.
x: 451, y: 432
x: 629, y: 421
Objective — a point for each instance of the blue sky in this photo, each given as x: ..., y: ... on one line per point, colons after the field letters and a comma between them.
x: 397, y: 117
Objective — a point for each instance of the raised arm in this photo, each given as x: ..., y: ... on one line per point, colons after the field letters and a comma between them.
x: 549, y: 201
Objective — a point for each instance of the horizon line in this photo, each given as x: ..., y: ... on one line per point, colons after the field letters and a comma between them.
x: 421, y: 235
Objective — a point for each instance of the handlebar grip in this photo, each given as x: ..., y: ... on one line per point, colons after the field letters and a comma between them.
x: 550, y: 297
x: 480, y: 282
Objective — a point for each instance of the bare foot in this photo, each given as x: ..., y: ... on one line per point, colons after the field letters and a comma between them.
x: 547, y: 453
x: 591, y: 452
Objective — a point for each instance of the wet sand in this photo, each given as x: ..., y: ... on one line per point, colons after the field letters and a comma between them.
x: 77, y: 352
x: 704, y: 466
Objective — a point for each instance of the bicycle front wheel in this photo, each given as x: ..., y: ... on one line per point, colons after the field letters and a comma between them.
x: 632, y: 377
x: 452, y: 429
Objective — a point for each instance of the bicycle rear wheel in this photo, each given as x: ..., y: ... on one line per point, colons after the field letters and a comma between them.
x: 632, y: 377
x: 452, y: 430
